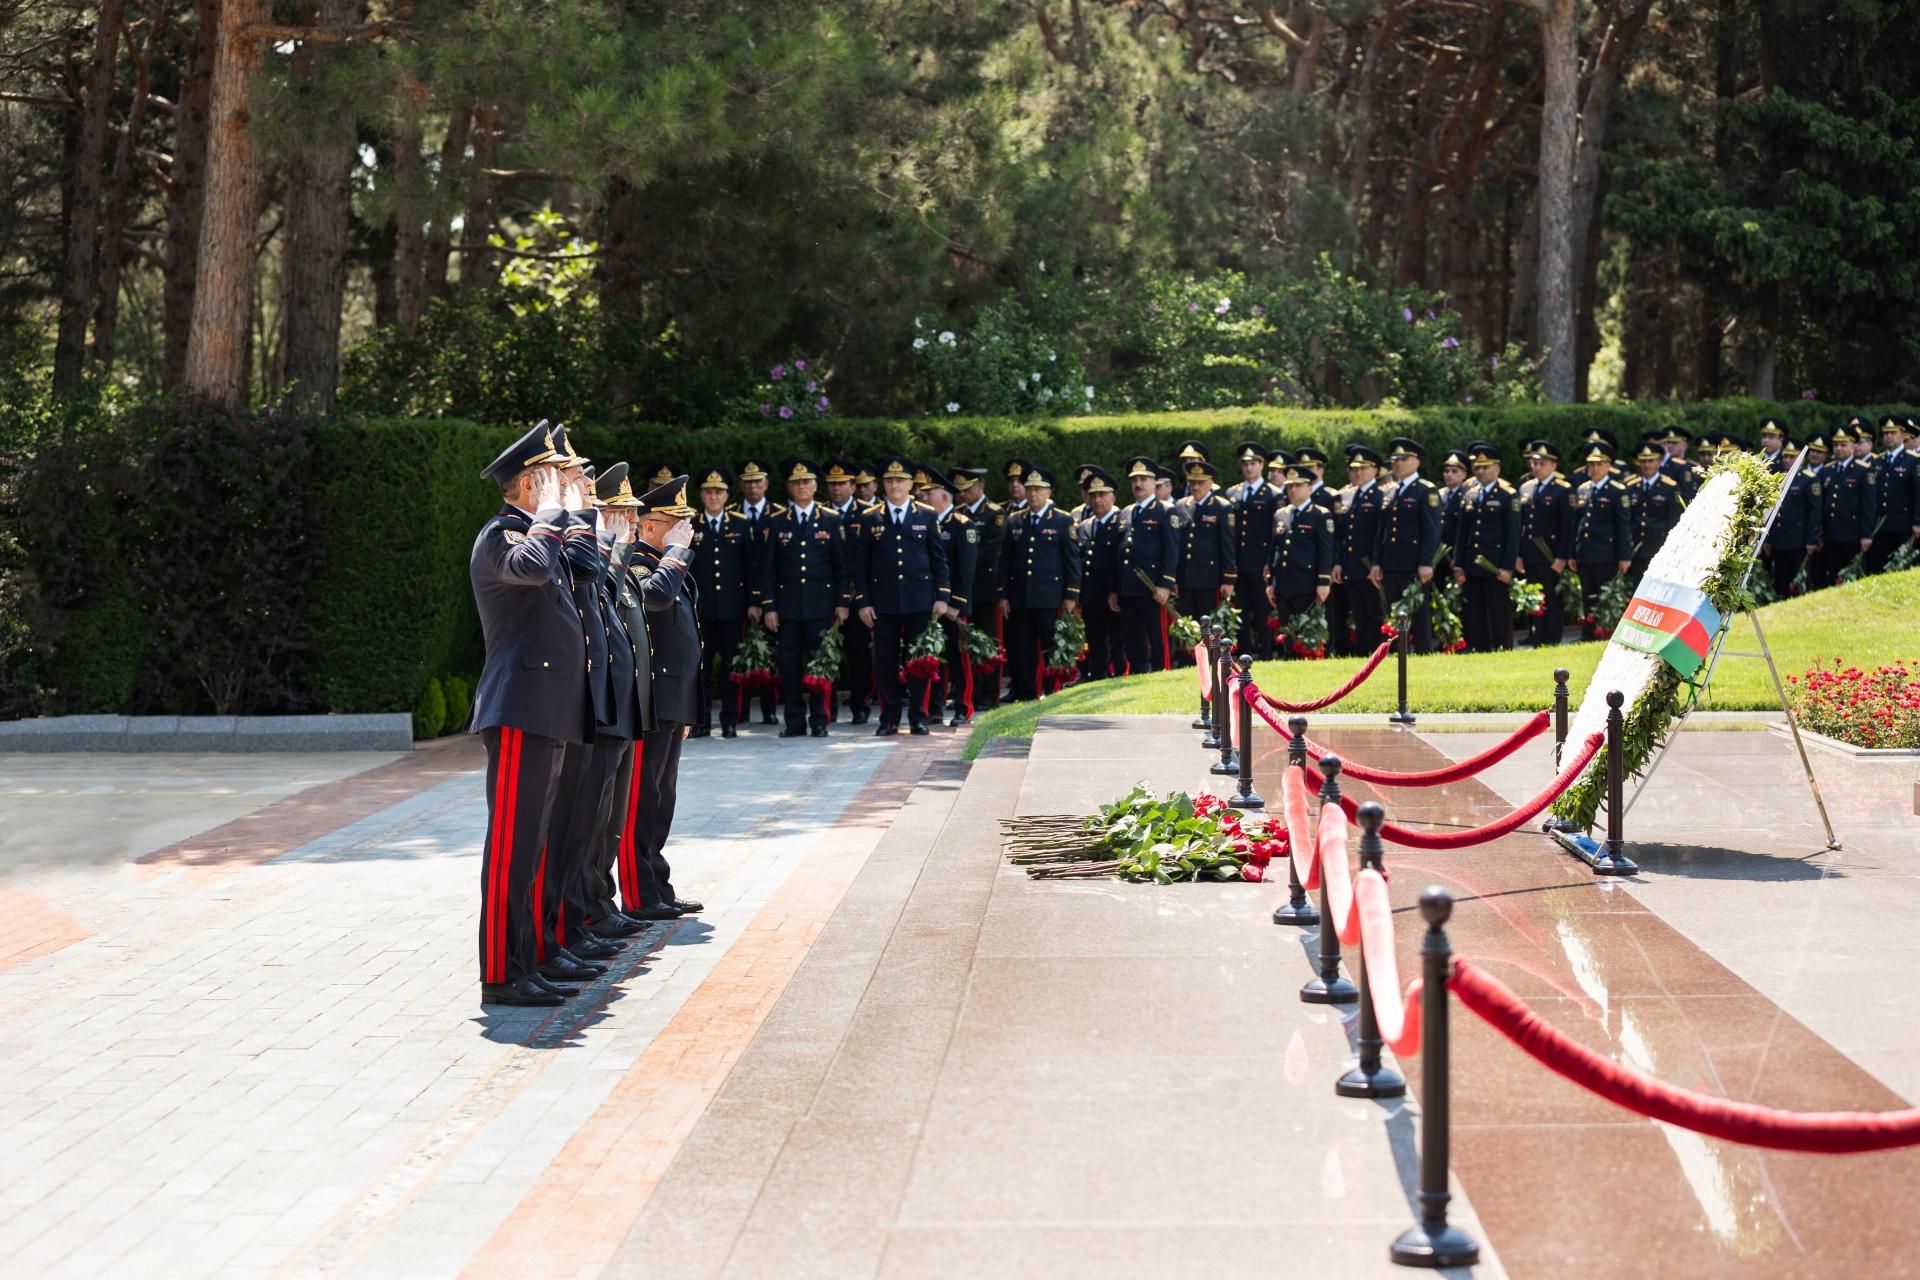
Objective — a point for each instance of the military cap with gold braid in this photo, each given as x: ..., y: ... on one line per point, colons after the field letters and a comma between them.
x: 864, y: 475
x: 1598, y: 451
x: 839, y: 471
x: 750, y: 469
x: 1647, y: 452
x: 1200, y: 469
x: 1310, y: 453
x: 613, y: 489
x: 1542, y: 449
x: 1039, y: 478
x: 530, y: 450
x: 1250, y: 449
x: 1841, y: 435
x: 926, y: 479
x: 1140, y: 466
x: 1192, y: 450
x: 662, y: 474
x: 894, y: 466
x: 1098, y: 482
x: 1279, y: 460
x: 1485, y: 451
x: 1772, y: 427
x: 1017, y: 469
x: 567, y: 457
x: 714, y: 478
x: 1297, y: 474
x: 1455, y: 458
x: 1816, y: 444
x: 1408, y: 447
x: 792, y: 469
x: 669, y: 499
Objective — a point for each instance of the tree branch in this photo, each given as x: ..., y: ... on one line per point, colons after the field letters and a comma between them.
x: 530, y: 254
x: 275, y: 33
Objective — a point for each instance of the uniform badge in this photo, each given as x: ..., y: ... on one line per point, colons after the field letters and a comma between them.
x: 514, y: 536
x: 971, y: 535
x: 1433, y: 499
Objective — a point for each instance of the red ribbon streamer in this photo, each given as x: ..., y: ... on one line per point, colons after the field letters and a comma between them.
x: 1359, y: 678
x: 1438, y: 777
x: 1825, y: 1132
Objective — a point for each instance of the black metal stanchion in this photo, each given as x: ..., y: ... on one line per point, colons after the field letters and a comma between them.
x: 1401, y: 644
x: 1296, y: 909
x: 1432, y: 1242
x: 1329, y: 986
x: 1210, y: 740
x: 1222, y: 668
x: 1246, y: 797
x: 1613, y: 860
x: 1369, y: 1079
x: 1559, y: 715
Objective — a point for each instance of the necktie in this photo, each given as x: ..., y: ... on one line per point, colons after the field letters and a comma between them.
x: 899, y: 516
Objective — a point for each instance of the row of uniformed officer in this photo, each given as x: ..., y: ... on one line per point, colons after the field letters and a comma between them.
x: 565, y: 690
x: 1038, y: 579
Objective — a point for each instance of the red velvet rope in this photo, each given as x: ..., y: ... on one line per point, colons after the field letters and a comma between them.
x: 1828, y: 1132
x: 1359, y: 678
x: 1438, y: 777
x: 1492, y: 830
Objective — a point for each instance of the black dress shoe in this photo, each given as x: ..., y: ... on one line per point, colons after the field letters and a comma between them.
x: 565, y: 955
x: 860, y: 716
x: 558, y: 989
x: 701, y: 731
x: 616, y: 926
x: 526, y: 991
x: 729, y: 732
x: 959, y: 720
x: 657, y: 911
x: 820, y: 731
x: 792, y: 732
x: 920, y: 730
x: 588, y: 947
x: 559, y: 969
x: 767, y: 719
x: 688, y: 906
x: 886, y: 731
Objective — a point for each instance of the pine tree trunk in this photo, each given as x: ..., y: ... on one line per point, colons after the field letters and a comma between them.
x: 621, y: 283
x: 439, y: 243
x: 479, y: 268
x: 119, y: 190
x: 1559, y: 35
x: 409, y: 243
x: 83, y: 204
x: 313, y: 265
x: 185, y: 189
x: 215, y: 372
x: 1524, y: 298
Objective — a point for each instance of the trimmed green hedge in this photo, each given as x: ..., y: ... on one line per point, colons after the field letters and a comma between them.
x: 384, y: 512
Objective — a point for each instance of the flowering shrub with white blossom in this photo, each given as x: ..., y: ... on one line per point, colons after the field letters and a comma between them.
x: 1004, y: 363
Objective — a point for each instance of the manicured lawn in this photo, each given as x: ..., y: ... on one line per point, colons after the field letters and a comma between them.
x: 1869, y: 622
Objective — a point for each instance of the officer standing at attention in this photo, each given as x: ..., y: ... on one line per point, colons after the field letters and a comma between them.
x: 866, y: 486
x: 1546, y: 519
x: 989, y: 520
x: 1301, y: 571
x: 1686, y: 473
x: 1357, y: 529
x: 1099, y: 534
x: 662, y: 568
x: 961, y: 542
x: 1253, y: 503
x: 1895, y: 521
x: 1489, y: 532
x: 1796, y: 524
x: 1039, y: 576
x: 899, y: 579
x: 1455, y: 484
x: 1848, y: 506
x: 1148, y: 548
x: 1654, y: 506
x: 1408, y: 537
x: 856, y: 674
x: 723, y: 565
x: 1016, y: 474
x: 530, y: 703
x: 619, y: 524
x: 1209, y: 560
x: 1601, y: 542
x: 804, y: 590
x: 758, y: 509
x: 1773, y: 439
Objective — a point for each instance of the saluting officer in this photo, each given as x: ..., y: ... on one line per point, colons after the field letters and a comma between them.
x: 1100, y: 534
x: 1686, y: 473
x: 1654, y: 505
x: 1356, y: 529
x: 856, y: 674
x: 1253, y: 503
x: 1209, y: 562
x: 1148, y: 552
x: 900, y: 579
x: 621, y: 527
x: 754, y: 504
x: 1489, y: 535
x: 662, y: 571
x: 803, y: 591
x: 1848, y: 502
x: 724, y: 555
x: 1796, y: 525
x: 1895, y: 522
x: 1300, y: 572
x: 1039, y: 576
x: 989, y: 520
x: 961, y: 542
x: 1408, y: 536
x: 1546, y: 517
x: 1601, y: 542
x: 530, y: 703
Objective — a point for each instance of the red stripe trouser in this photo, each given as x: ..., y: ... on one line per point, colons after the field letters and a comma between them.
x: 523, y: 773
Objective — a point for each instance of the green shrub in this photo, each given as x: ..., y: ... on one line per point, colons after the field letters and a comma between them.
x: 430, y: 712
x: 459, y: 694
x: 99, y: 659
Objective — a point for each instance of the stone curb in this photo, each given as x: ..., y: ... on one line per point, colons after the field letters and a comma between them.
x: 387, y: 731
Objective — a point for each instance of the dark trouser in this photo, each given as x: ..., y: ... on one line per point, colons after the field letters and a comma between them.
x: 1594, y: 574
x: 1489, y: 620
x: 583, y: 811
x: 986, y: 684
x: 893, y: 635
x: 1884, y: 545
x: 1548, y: 626
x: 1830, y: 560
x: 1195, y: 603
x: 1161, y: 658
x: 1785, y: 563
x: 1287, y: 607
x: 955, y: 684
x: 1139, y: 628
x: 1105, y: 655
x: 1368, y: 611
x: 856, y: 676
x: 1337, y: 642
x: 523, y: 775
x: 1250, y: 595
x: 1395, y: 582
x: 798, y: 638
x: 604, y: 855
x: 1029, y: 636
x: 1637, y: 568
x: 645, y: 876
x: 719, y: 641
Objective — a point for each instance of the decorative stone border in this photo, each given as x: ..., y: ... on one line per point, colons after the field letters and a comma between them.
x: 387, y: 731
x: 1838, y: 747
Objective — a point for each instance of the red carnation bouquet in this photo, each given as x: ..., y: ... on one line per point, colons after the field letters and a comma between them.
x: 923, y: 656
x: 823, y: 668
x: 1062, y: 666
x: 985, y: 653
x: 754, y: 663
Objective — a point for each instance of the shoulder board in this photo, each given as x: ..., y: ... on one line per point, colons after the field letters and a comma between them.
x: 1618, y: 485
x: 1528, y: 486
x: 920, y: 506
x: 1667, y: 479
x: 513, y: 535
x: 1561, y: 481
x: 733, y: 509
x: 958, y: 516
x: 777, y: 509
x: 1504, y: 486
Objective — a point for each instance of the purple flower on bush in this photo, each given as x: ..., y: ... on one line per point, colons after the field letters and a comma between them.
x: 801, y: 365
x: 1406, y: 313
x: 786, y: 411
x: 1469, y: 399
x: 1193, y: 306
x: 1807, y: 394
x: 812, y: 385
x: 1223, y: 306
x: 1258, y: 310
x: 1429, y: 313
x: 766, y: 408
x: 1451, y: 343
x: 821, y: 404
x: 1494, y: 363
x: 1153, y: 308
x: 779, y: 372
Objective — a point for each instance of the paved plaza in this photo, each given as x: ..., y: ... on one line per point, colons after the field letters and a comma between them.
x: 240, y: 1033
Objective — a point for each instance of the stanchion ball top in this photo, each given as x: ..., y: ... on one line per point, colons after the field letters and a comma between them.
x: 1330, y: 767
x: 1298, y: 725
x: 1244, y: 661
x: 1561, y: 675
x: 1370, y: 816
x: 1615, y: 697
x: 1436, y: 904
